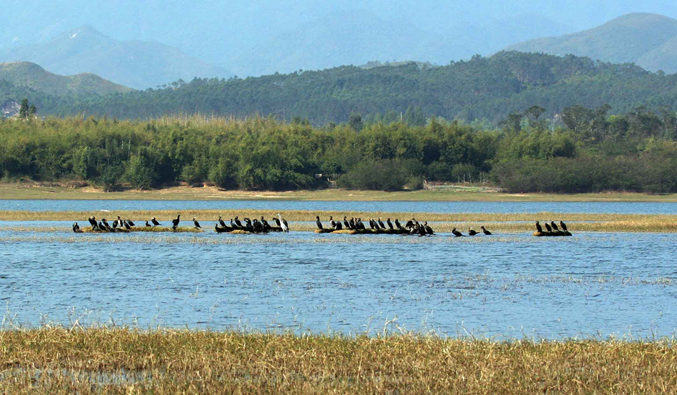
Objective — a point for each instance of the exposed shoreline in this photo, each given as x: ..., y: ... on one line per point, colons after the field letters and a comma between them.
x: 449, y: 193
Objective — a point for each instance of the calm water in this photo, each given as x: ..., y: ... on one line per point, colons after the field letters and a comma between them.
x: 413, y: 207
x: 591, y: 284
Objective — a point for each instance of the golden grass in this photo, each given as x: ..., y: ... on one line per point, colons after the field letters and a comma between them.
x: 449, y: 193
x: 121, y: 360
x: 304, y: 220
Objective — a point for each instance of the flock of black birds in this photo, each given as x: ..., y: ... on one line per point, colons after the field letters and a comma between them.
x: 252, y: 226
x: 551, y: 227
x: 410, y: 227
x: 126, y: 225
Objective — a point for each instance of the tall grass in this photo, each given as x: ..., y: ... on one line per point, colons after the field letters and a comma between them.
x: 123, y: 360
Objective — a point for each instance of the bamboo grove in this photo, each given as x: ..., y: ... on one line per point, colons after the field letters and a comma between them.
x: 590, y: 152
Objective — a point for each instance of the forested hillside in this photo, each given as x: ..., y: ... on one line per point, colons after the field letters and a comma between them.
x: 36, y: 78
x: 482, y: 88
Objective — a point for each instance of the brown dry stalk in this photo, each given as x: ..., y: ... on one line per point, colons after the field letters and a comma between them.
x: 120, y: 360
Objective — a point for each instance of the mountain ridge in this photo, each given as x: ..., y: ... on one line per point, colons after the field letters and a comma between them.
x: 134, y: 63
x: 639, y: 38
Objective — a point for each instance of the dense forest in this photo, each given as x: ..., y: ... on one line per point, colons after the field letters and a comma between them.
x: 484, y: 89
x: 591, y: 151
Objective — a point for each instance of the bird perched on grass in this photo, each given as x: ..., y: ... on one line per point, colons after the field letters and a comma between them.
x: 223, y: 224
x: 76, y: 228
x: 147, y: 224
x: 318, y: 222
x: 196, y: 224
x: 547, y: 226
x: 539, y: 229
x: 154, y: 222
x: 129, y: 221
x: 554, y: 226
x: 175, y: 222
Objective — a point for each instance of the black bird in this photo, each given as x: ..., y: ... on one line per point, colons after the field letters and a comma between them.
x: 126, y: 225
x: 223, y: 224
x: 554, y: 226
x: 232, y: 224
x: 101, y: 226
x: 332, y: 222
x: 120, y: 224
x: 277, y: 221
x: 547, y: 226
x: 175, y: 221
x: 248, y: 224
x: 76, y: 228
x: 147, y: 224
x: 257, y: 226
x: 286, y: 225
x: 486, y: 232
x: 351, y: 224
x: 390, y: 224
x: 421, y: 230
x: 105, y: 223
x: 154, y: 222
x: 409, y: 224
x: 92, y: 221
x: 456, y: 233
x: 115, y: 224
x: 318, y: 222
x: 266, y: 225
x: 373, y: 224
x: 339, y: 225
x: 345, y: 222
x: 196, y: 224
x: 563, y: 226
x: 237, y: 222
x: 471, y: 232
x: 397, y: 223
x: 129, y: 221
x: 360, y: 225
x: 380, y: 223
x: 428, y: 229
x: 539, y: 229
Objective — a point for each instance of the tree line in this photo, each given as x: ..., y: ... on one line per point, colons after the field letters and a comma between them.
x: 590, y: 151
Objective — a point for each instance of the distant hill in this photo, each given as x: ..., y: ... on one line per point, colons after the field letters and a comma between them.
x: 648, y: 40
x: 34, y: 77
x: 137, y: 64
x: 345, y: 38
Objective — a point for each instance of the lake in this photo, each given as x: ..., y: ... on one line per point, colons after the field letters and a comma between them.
x: 501, y: 286
x: 412, y: 207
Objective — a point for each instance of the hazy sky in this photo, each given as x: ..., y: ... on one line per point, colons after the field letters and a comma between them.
x: 193, y: 26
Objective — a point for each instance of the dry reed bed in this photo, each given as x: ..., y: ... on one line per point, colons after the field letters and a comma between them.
x: 119, y: 360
